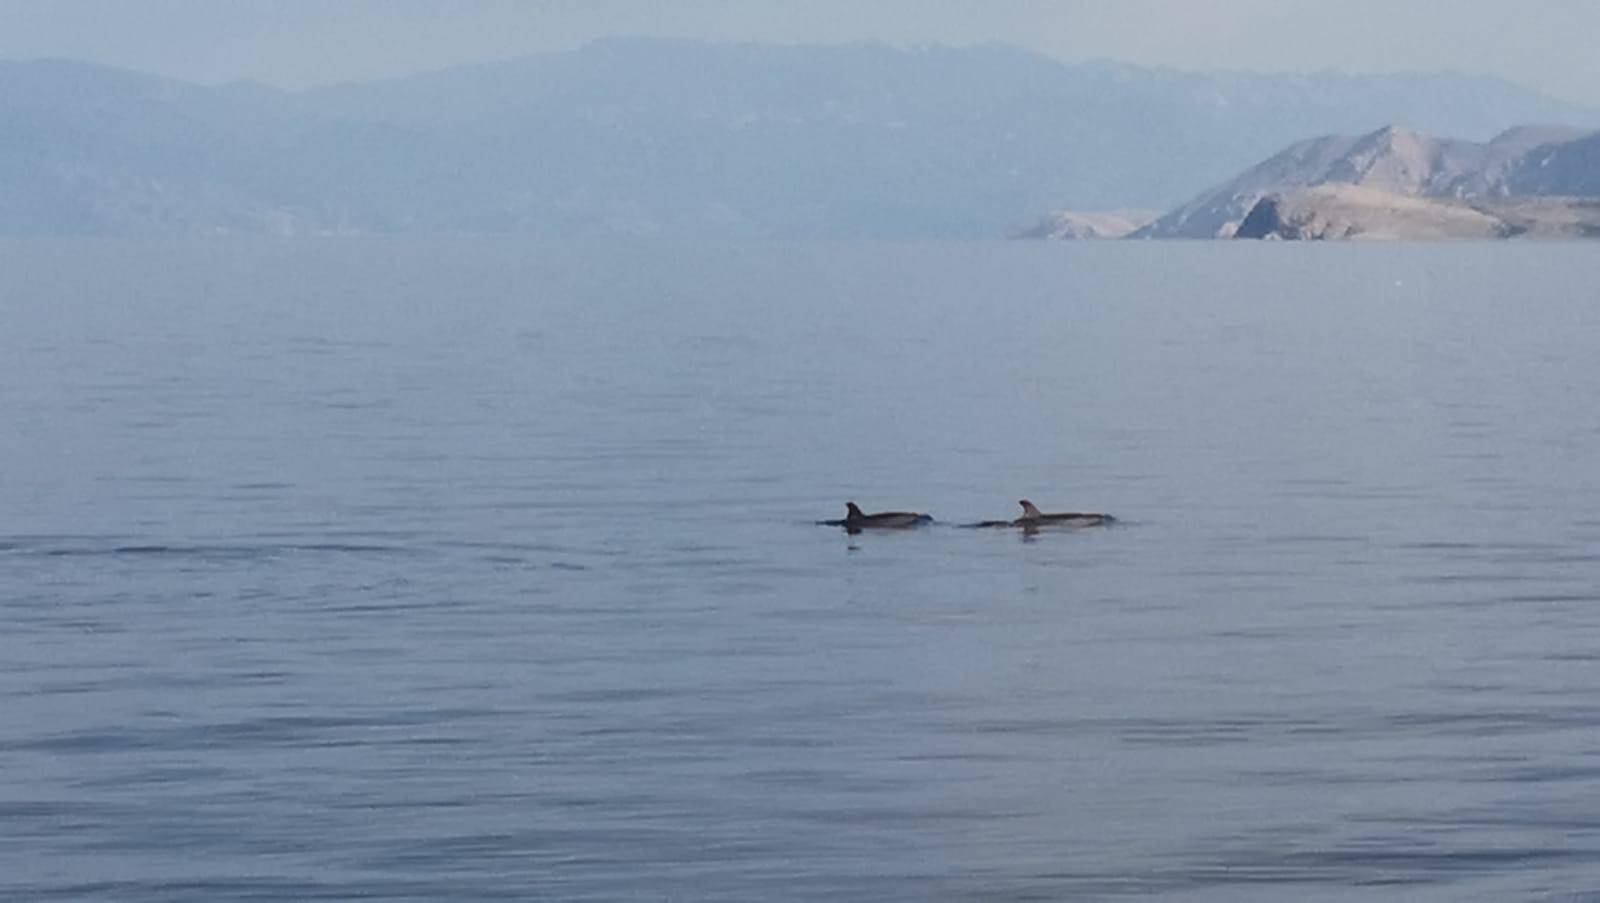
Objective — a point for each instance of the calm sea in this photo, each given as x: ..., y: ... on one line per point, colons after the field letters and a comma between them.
x: 485, y: 569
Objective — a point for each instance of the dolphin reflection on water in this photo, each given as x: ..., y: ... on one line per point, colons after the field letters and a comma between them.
x: 855, y: 521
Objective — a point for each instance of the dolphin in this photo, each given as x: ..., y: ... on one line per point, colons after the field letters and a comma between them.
x: 855, y: 521
x: 1032, y: 519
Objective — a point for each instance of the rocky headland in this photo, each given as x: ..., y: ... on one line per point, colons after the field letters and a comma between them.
x: 1396, y: 183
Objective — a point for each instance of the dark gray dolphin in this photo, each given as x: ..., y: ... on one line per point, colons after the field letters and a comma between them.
x: 855, y: 521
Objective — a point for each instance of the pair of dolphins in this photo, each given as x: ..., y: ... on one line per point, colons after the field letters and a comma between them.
x: 1032, y: 518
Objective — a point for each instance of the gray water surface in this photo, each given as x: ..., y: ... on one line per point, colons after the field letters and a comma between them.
x: 486, y: 569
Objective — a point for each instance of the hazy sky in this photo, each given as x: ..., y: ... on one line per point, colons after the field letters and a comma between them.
x: 1548, y: 44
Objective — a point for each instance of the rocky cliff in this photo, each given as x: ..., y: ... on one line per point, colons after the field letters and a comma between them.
x: 1328, y: 212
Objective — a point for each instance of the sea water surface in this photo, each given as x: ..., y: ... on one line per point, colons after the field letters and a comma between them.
x: 486, y: 569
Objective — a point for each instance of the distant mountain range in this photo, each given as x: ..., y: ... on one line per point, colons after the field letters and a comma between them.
x: 1399, y: 183
x: 679, y: 138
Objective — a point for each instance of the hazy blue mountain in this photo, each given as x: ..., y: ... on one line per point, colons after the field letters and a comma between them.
x: 1565, y: 169
x: 648, y: 136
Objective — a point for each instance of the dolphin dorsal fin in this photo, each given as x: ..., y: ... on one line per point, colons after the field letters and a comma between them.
x: 1028, y: 510
x: 851, y: 510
